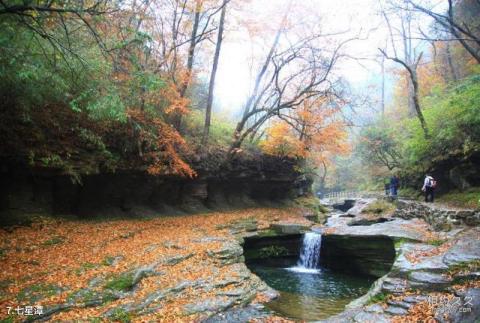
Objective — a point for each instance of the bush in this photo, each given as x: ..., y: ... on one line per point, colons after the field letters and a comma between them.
x: 454, y: 124
x: 453, y: 120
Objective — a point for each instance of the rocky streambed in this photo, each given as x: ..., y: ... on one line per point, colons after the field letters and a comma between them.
x: 193, y: 268
x: 436, y: 268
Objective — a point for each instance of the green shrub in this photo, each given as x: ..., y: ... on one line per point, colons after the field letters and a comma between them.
x: 120, y: 315
x: 378, y: 298
x: 469, y: 198
x: 272, y: 251
x: 453, y: 121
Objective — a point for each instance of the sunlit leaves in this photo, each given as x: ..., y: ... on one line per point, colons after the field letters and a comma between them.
x: 312, y: 132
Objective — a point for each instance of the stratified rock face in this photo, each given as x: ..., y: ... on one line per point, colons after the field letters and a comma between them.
x: 438, y: 217
x: 135, y: 193
x: 368, y: 255
x: 229, y: 252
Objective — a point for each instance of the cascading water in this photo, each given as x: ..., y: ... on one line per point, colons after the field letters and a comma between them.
x: 309, y: 254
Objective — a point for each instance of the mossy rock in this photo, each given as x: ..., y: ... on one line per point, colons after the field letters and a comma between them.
x: 379, y: 207
x: 123, y: 282
x: 85, y: 296
x: 120, y: 315
x: 464, y: 267
x: 267, y: 233
x: 377, y: 298
x: 34, y: 293
x: 312, y: 203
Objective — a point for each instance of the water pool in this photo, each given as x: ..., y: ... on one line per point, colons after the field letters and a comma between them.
x: 311, y: 294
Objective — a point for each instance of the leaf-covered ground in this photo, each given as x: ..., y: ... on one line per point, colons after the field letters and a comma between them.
x: 48, y: 262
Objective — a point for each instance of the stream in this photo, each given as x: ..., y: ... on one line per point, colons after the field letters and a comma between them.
x: 308, y: 291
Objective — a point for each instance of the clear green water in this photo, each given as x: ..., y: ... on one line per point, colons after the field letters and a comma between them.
x: 313, y: 295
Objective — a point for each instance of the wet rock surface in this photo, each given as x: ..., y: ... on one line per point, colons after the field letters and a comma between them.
x: 239, y: 314
x: 420, y: 269
x: 396, y: 229
x: 288, y: 228
x: 230, y: 252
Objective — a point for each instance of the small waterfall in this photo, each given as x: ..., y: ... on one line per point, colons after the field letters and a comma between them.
x: 310, y: 253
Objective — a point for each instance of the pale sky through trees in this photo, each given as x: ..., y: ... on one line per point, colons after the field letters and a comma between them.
x: 354, y: 17
x: 234, y: 79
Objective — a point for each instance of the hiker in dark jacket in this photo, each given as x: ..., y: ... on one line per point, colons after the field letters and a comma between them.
x: 394, y: 185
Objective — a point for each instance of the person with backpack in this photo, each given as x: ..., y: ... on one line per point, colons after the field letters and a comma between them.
x: 429, y: 185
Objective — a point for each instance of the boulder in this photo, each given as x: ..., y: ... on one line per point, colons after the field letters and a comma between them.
x: 396, y: 229
x: 289, y: 228
x: 428, y: 281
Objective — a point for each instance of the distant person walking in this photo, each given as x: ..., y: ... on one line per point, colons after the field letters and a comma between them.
x: 394, y: 185
x: 429, y: 185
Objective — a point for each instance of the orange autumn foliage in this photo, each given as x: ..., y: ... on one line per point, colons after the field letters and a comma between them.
x: 281, y: 141
x: 82, y: 247
x: 160, y: 145
x: 313, y: 132
x: 175, y: 103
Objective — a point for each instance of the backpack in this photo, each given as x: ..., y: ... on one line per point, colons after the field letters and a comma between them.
x: 432, y: 183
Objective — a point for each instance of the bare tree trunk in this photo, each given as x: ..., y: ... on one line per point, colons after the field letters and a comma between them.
x: 413, y: 77
x: 453, y: 71
x: 458, y: 29
x: 324, y: 175
x: 383, y: 86
x: 191, y: 55
x: 411, y: 94
x: 211, y: 87
x: 237, y: 137
x: 410, y: 62
x: 416, y: 102
x: 258, y: 80
x: 191, y: 48
x: 454, y: 30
